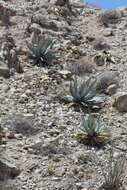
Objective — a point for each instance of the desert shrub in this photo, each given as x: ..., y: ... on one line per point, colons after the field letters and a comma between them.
x: 113, y: 173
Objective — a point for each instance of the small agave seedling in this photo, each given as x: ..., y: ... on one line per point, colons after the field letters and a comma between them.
x: 41, y: 52
x: 93, y: 132
x: 84, y: 93
x: 114, y: 173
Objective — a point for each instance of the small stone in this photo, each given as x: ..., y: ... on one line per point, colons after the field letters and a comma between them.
x: 35, y: 28
x: 111, y: 89
x: 28, y: 92
x: 90, y: 38
x: 10, y: 135
x: 99, y: 60
x: 108, y: 32
x: 120, y: 102
x: 18, y: 136
x: 65, y: 74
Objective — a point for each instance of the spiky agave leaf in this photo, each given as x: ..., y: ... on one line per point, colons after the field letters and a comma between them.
x: 41, y: 53
x: 93, y: 132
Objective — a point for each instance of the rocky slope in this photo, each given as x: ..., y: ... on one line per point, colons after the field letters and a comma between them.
x: 40, y: 151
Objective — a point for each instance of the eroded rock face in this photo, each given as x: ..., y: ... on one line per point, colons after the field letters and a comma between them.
x: 120, y: 102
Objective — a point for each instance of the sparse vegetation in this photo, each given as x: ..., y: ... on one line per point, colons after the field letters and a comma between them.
x: 41, y: 53
x: 113, y: 172
x: 84, y: 93
x: 44, y: 144
x: 93, y: 132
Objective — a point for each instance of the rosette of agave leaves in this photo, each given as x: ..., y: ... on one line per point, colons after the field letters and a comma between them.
x: 84, y: 92
x: 93, y: 132
x: 40, y: 51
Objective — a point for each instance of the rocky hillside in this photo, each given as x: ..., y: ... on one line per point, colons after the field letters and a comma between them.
x: 57, y: 135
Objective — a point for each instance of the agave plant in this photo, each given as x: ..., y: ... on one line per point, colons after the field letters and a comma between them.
x: 41, y: 52
x: 84, y: 93
x: 114, y: 173
x: 93, y: 132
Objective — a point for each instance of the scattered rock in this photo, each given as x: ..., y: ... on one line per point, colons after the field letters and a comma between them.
x: 90, y: 38
x: 120, y: 102
x: 82, y: 66
x: 34, y: 27
x: 110, y: 17
x: 65, y: 74
x: 106, y: 79
x: 100, y: 44
x: 99, y: 60
x: 111, y: 89
x: 108, y: 32
x: 49, y: 23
